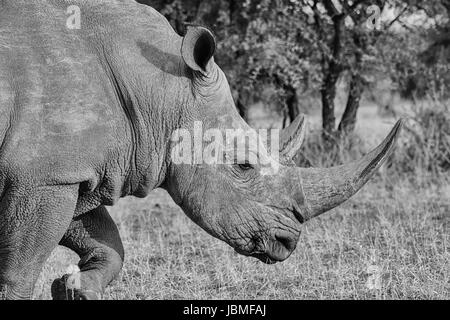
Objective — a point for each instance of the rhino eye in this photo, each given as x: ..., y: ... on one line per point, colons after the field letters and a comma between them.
x: 245, y: 166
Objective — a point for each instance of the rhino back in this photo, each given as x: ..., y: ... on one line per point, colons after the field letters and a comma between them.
x: 59, y: 117
x: 62, y: 119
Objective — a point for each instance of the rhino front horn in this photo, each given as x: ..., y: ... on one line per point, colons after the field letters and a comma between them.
x: 326, y: 188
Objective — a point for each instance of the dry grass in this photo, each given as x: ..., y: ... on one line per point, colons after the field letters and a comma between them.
x: 395, y: 231
x: 404, y: 232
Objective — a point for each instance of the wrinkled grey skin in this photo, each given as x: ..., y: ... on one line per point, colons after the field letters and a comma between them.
x: 86, y: 118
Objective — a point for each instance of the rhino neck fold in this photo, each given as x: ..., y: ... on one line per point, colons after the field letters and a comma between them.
x: 152, y: 90
x: 145, y: 169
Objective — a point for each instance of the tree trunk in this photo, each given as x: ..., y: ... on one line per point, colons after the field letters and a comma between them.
x: 292, y: 103
x: 348, y: 120
x: 356, y: 87
x: 242, y: 109
x: 334, y: 69
x: 285, y: 123
x: 328, y: 93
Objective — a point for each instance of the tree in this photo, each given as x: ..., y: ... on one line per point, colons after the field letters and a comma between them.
x: 306, y: 46
x: 423, y: 69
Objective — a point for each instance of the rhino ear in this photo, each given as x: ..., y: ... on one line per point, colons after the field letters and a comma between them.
x: 198, y: 48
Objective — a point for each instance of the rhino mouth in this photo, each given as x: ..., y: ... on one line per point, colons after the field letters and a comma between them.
x: 264, y: 257
x: 261, y: 256
x: 276, y: 250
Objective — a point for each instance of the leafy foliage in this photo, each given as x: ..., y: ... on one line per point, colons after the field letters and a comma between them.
x: 305, y: 46
x: 427, y: 143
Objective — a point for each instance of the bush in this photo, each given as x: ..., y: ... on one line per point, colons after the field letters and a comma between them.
x: 316, y: 152
x: 426, y: 143
x: 423, y: 149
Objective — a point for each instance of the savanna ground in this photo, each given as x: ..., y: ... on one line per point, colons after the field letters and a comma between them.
x: 390, y: 241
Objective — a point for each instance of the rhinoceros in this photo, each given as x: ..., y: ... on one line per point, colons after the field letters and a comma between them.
x: 87, y: 117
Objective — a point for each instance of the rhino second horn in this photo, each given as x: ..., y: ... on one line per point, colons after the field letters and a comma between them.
x: 291, y: 139
x: 326, y: 188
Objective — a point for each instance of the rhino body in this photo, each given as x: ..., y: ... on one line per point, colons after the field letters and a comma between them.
x: 86, y: 117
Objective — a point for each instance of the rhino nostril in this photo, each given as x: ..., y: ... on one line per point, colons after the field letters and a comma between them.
x: 286, y: 242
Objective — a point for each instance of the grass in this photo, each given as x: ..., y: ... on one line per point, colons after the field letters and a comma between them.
x: 390, y: 241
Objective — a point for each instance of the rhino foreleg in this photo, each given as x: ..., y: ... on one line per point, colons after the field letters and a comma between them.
x: 32, y: 221
x: 95, y: 238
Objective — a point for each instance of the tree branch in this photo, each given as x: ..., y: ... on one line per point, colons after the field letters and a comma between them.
x: 396, y: 18
x: 331, y: 9
x: 404, y: 25
x: 350, y: 10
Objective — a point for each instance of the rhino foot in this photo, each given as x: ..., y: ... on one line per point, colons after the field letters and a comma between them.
x: 69, y: 287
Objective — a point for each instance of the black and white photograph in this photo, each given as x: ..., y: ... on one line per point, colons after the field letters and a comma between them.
x: 223, y: 155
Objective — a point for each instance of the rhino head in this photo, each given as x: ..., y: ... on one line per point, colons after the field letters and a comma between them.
x: 256, y: 206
